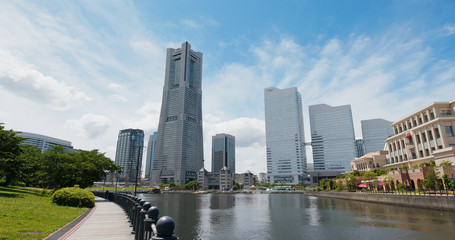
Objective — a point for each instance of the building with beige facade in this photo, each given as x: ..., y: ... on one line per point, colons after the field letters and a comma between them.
x: 421, y: 137
x: 369, y: 162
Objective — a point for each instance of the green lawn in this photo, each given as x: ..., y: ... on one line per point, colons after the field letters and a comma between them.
x: 27, y: 213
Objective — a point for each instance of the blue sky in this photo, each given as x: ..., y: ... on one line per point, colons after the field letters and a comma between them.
x: 83, y: 70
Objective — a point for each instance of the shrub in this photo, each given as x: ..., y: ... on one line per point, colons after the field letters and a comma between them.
x: 73, y: 196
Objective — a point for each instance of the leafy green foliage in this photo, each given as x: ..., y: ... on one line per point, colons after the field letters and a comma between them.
x: 430, y: 179
x: 74, y: 197
x: 446, y: 163
x: 10, y: 165
x: 52, y: 169
x: 449, y: 185
x: 401, y: 186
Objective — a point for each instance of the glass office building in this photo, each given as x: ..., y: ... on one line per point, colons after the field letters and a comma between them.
x: 44, y: 143
x: 130, y: 145
x: 375, y: 132
x: 223, y: 152
x: 285, y: 139
x: 332, y: 137
x: 179, y: 146
x: 150, y: 154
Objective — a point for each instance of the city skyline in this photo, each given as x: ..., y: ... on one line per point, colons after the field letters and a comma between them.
x: 82, y: 71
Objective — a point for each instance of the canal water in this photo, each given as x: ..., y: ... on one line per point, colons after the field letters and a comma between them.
x: 296, y: 216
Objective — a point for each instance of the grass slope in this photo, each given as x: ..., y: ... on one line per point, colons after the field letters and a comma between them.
x: 27, y: 213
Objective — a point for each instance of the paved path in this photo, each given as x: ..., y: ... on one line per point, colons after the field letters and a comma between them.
x: 108, y: 221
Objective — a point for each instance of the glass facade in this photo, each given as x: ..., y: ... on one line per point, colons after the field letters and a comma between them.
x: 130, y: 145
x: 150, y: 154
x: 375, y: 132
x: 285, y: 139
x: 44, y: 143
x: 179, y: 150
x: 332, y: 137
x: 223, y: 152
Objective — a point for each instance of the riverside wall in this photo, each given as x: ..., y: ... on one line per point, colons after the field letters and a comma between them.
x: 418, y: 201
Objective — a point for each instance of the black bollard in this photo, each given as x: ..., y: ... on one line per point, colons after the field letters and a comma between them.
x: 151, y: 218
x: 143, y: 213
x: 165, y: 229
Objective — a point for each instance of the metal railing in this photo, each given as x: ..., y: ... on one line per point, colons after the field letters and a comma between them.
x: 143, y: 217
x: 423, y: 192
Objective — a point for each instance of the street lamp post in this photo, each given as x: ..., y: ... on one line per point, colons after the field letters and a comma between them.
x: 137, y: 168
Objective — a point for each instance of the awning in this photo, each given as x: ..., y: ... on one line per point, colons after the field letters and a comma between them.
x: 362, y: 185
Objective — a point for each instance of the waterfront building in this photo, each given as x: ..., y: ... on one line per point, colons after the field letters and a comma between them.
x: 262, y: 177
x: 360, y: 147
x: 374, y: 133
x: 369, y: 162
x: 44, y: 143
x: 179, y: 146
x: 223, y: 152
x: 247, y: 179
x: 150, y: 154
x: 130, y: 145
x: 332, y: 139
x: 285, y: 140
x: 418, y: 139
x: 226, y: 179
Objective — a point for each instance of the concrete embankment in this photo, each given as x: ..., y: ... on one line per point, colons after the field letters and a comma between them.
x: 419, y: 201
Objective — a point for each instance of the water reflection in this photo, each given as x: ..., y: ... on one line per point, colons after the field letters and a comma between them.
x: 295, y: 216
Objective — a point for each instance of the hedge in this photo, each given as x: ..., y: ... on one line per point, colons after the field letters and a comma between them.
x: 74, y: 197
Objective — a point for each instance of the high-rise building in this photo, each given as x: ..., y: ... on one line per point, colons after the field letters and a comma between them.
x: 285, y: 139
x: 223, y: 152
x: 332, y: 137
x: 130, y: 145
x: 179, y: 146
x: 360, y: 147
x: 375, y: 132
x: 44, y: 143
x: 150, y: 154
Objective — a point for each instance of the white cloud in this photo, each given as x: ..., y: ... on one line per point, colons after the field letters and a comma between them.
x: 24, y: 80
x: 90, y: 125
x: 118, y: 98
x: 249, y: 136
x: 450, y: 29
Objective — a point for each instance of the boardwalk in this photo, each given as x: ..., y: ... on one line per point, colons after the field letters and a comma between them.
x: 108, y: 221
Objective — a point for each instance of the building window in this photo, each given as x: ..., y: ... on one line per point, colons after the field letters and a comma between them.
x: 431, y: 115
x: 436, y: 130
x: 449, y: 131
x: 430, y: 135
x: 418, y: 139
x: 171, y: 118
x: 445, y: 113
x: 424, y: 137
x: 425, y: 118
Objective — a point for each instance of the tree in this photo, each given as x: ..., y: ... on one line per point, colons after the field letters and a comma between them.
x: 192, y: 185
x: 323, y: 184
x: 10, y: 164
x: 430, y: 179
x: 369, y: 177
x: 351, y: 181
x: 446, y: 163
x: 389, y: 181
x: 448, y: 183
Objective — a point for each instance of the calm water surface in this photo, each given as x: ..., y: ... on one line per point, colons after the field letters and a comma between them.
x: 296, y: 216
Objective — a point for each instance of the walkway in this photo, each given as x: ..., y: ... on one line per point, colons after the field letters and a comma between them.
x: 107, y: 221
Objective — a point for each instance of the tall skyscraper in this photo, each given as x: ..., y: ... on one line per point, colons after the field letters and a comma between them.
x: 179, y: 149
x: 130, y: 145
x: 285, y: 139
x: 150, y: 154
x: 332, y: 137
x: 375, y: 132
x: 223, y: 152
